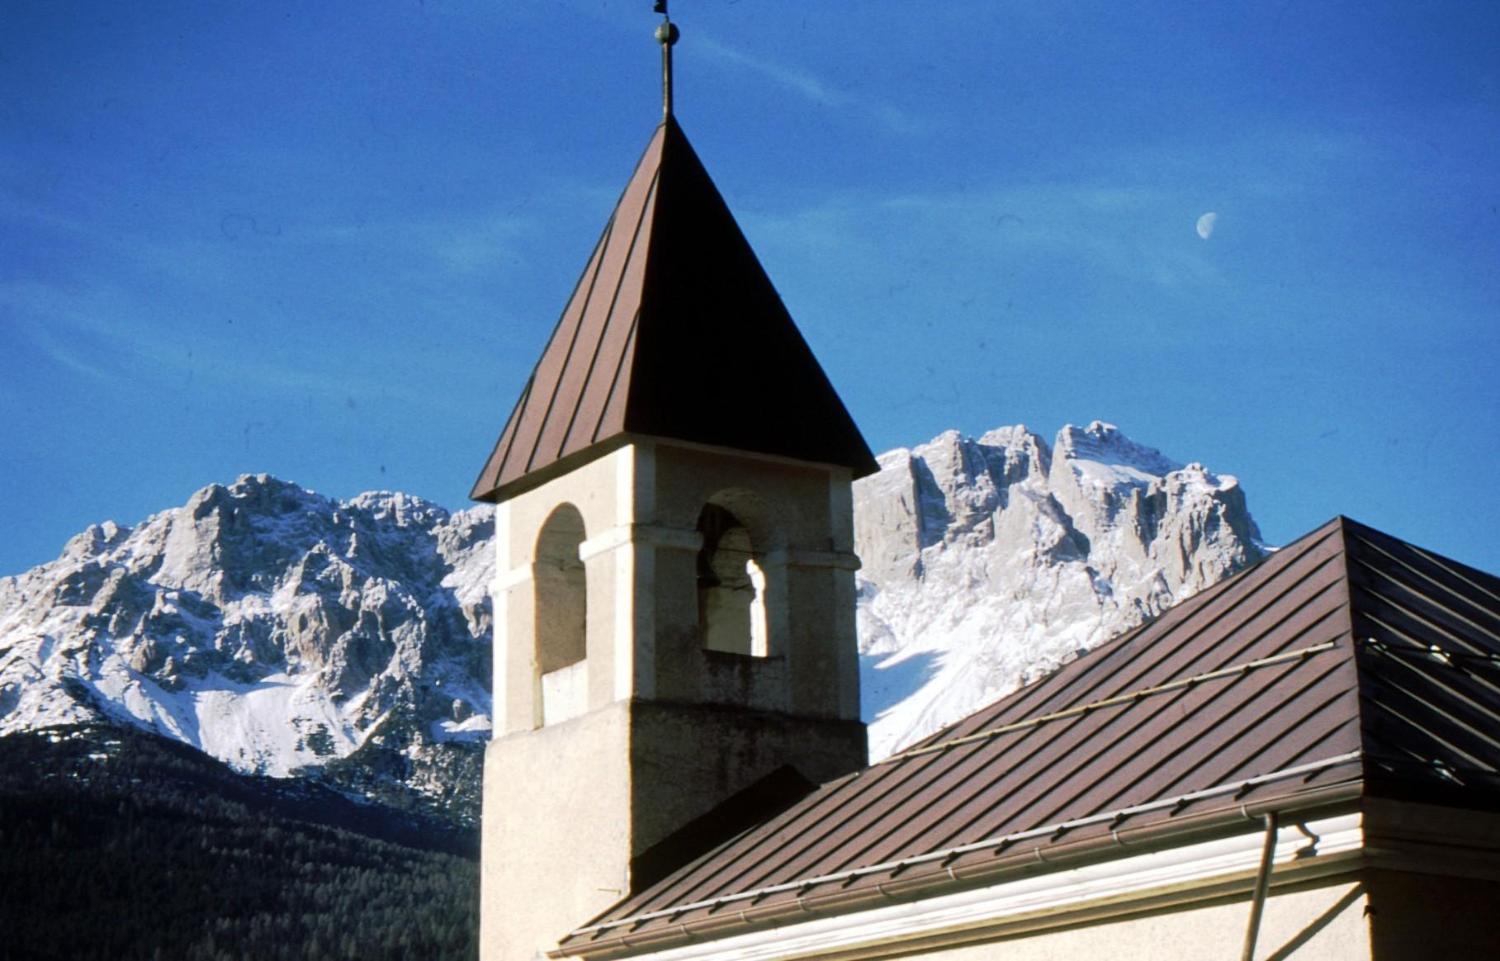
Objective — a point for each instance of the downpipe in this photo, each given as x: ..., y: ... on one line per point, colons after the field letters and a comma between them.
x: 1262, y: 885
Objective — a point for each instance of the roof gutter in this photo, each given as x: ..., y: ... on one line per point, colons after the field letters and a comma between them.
x: 934, y: 875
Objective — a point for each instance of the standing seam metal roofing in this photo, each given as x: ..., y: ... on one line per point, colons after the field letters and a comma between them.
x: 674, y: 331
x: 1346, y: 663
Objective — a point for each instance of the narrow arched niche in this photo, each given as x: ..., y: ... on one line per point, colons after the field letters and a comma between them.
x: 731, y: 586
x: 561, y: 618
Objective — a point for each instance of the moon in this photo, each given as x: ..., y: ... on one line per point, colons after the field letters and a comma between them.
x: 1206, y: 224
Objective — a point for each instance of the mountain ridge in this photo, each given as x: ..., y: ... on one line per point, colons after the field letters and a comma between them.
x: 990, y: 561
x: 292, y: 634
x: 272, y: 628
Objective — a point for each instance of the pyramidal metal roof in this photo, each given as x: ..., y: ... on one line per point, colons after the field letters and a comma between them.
x: 1348, y: 664
x: 673, y: 331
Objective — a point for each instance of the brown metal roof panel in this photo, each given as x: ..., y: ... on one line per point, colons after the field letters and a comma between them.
x: 883, y: 883
x: 1004, y: 789
x: 1184, y: 770
x: 1013, y: 767
x: 1327, y: 728
x: 555, y: 399
x: 513, y: 452
x: 611, y: 416
x: 495, y: 464
x: 609, y: 317
x: 1078, y: 778
x: 1001, y: 767
x: 1273, y: 624
x: 1429, y: 671
x: 1446, y: 616
x: 724, y: 870
x: 1464, y: 691
x: 908, y: 791
x: 1118, y: 662
x: 1242, y: 626
x: 1470, y: 592
x: 720, y: 360
x: 1261, y: 717
x: 545, y: 403
x: 1262, y: 714
x: 675, y: 331
x: 1030, y: 773
x: 543, y: 399
x: 1136, y: 765
x: 1115, y: 755
x: 905, y: 785
x: 1429, y: 727
x: 949, y: 779
x: 1468, y: 693
x: 808, y: 850
x: 1461, y: 737
x: 602, y: 410
x: 1314, y: 619
x: 1407, y: 625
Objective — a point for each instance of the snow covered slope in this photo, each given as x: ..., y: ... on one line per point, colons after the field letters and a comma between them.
x: 989, y: 562
x: 272, y: 628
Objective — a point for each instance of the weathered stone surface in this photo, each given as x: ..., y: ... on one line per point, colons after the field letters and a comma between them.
x: 988, y: 562
x: 273, y: 628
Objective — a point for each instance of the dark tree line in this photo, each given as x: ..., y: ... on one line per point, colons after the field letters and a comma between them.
x: 120, y: 845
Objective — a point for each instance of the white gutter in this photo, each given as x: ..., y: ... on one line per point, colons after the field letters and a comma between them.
x: 1018, y: 903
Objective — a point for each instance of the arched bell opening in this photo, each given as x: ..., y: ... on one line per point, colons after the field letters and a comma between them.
x: 561, y: 659
x: 731, y: 586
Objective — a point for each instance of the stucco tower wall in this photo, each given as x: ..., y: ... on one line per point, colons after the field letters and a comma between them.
x: 654, y: 729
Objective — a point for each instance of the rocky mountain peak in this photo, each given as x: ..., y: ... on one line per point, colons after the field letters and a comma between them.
x: 989, y: 561
x: 270, y: 626
x: 286, y: 632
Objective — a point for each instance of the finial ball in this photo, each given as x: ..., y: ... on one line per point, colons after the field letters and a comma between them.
x: 667, y: 33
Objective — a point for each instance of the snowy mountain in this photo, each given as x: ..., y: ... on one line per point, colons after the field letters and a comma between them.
x: 272, y: 628
x: 286, y: 633
x: 990, y: 562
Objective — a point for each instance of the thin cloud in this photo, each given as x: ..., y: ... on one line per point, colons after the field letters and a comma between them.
x: 809, y: 86
x: 61, y: 355
x: 55, y: 320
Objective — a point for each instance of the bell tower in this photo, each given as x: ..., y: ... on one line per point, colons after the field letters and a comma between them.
x: 674, y: 602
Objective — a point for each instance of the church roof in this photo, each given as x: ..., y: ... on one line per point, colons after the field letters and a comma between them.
x: 673, y: 331
x: 1348, y: 664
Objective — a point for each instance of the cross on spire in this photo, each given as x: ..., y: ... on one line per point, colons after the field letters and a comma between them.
x: 666, y: 35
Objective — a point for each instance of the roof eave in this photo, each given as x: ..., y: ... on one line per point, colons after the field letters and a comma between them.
x: 534, y: 479
x: 938, y: 878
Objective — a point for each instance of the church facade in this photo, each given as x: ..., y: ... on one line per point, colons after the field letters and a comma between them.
x: 1301, y: 762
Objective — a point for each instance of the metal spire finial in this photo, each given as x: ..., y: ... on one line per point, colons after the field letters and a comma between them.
x: 666, y: 35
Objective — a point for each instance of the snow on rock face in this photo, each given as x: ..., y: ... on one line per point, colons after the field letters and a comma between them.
x: 989, y: 562
x: 282, y: 631
x: 262, y: 623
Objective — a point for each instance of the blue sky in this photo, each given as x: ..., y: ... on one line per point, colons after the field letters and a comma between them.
x: 327, y: 241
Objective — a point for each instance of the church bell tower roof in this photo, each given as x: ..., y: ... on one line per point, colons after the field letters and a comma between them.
x: 674, y: 331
